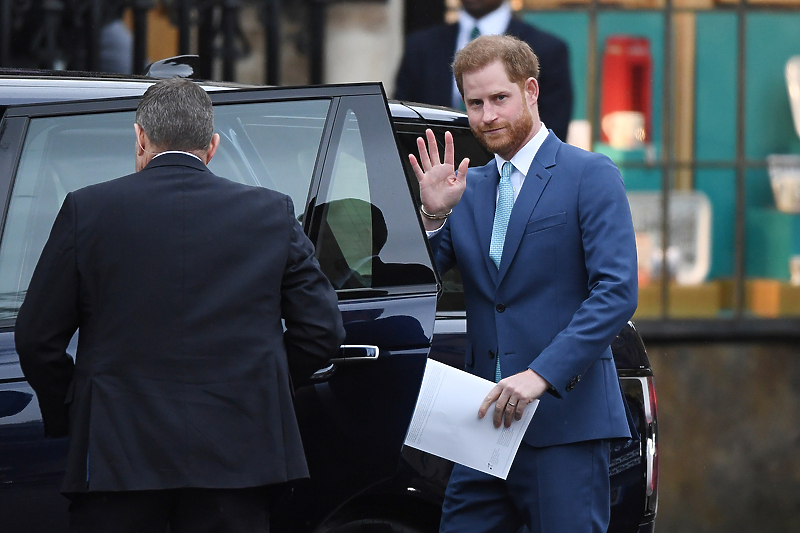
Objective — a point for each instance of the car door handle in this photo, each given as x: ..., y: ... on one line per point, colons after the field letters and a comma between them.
x: 356, y: 352
x: 348, y: 353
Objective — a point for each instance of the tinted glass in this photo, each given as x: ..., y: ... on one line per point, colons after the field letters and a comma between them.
x: 271, y: 145
x: 368, y: 234
x: 61, y: 154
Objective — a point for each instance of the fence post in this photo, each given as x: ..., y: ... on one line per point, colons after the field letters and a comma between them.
x: 140, y: 9
x: 316, y: 28
x: 272, y: 41
x: 230, y: 13
x: 184, y: 26
x: 94, y: 20
x: 5, y: 33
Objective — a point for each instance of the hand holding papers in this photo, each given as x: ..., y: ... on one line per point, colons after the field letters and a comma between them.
x: 445, y: 422
x: 512, y: 395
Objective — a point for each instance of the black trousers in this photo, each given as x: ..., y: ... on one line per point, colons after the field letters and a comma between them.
x: 183, y: 510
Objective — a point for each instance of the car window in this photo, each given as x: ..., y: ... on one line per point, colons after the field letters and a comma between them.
x: 272, y: 144
x: 452, y: 298
x: 349, y: 217
x: 367, y: 232
x: 61, y: 154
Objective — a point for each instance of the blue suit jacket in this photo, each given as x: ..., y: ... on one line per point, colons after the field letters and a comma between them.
x: 566, y: 285
x: 425, y: 75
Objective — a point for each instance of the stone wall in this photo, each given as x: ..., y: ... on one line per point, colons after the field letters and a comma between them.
x: 364, y: 42
x: 729, y: 424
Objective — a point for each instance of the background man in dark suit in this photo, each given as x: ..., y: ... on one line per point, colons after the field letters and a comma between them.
x: 548, y: 261
x: 179, y: 401
x: 425, y: 74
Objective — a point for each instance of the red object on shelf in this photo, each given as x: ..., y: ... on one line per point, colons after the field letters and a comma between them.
x: 627, y: 79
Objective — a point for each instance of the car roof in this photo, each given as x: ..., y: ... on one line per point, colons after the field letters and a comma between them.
x: 19, y: 87
x: 428, y: 113
x: 26, y: 86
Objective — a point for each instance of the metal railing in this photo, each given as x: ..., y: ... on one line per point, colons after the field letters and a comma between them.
x: 736, y: 323
x: 66, y: 34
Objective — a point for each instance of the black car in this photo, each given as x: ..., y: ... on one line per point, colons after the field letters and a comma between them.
x: 340, y: 152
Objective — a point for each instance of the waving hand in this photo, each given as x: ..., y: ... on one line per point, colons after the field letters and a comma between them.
x: 440, y: 186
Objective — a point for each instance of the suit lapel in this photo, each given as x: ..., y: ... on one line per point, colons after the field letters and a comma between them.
x: 485, y: 199
x: 535, y: 182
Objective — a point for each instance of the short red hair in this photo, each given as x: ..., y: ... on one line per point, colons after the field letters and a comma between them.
x: 517, y: 57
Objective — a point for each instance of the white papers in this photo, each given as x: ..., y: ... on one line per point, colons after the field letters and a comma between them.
x: 446, y: 423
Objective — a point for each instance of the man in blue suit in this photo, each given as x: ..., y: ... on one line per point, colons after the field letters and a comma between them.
x: 425, y: 75
x: 545, y: 243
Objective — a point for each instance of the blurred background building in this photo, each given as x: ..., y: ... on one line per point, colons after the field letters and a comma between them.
x: 697, y: 102
x: 689, y: 97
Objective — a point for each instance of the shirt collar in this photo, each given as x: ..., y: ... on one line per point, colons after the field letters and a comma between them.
x: 177, y: 152
x: 494, y: 23
x: 522, y: 160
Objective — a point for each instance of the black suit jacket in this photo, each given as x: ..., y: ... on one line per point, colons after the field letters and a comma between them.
x: 179, y: 281
x: 425, y: 74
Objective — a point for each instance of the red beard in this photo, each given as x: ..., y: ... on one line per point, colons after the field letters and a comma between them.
x: 512, y: 137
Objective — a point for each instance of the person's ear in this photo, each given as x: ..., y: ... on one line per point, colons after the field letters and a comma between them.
x: 212, y: 147
x: 531, y: 91
x: 141, y: 139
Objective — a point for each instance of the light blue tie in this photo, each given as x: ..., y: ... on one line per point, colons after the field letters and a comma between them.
x: 505, y: 202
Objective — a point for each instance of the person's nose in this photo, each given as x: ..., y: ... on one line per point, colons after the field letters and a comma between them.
x: 489, y: 114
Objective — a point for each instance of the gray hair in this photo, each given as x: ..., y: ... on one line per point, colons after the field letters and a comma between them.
x: 176, y: 114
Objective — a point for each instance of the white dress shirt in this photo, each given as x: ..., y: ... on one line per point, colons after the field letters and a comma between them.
x: 177, y: 152
x: 522, y: 160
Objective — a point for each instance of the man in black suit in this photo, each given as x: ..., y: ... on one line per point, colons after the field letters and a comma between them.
x: 179, y: 403
x: 425, y: 74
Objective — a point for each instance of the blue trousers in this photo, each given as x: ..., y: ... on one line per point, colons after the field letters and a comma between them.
x: 557, y: 489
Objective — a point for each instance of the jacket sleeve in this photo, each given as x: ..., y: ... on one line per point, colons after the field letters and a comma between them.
x: 610, y: 255
x: 442, y: 248
x: 309, y: 307
x: 47, y: 320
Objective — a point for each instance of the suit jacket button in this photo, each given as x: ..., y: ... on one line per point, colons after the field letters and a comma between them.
x: 500, y: 308
x: 491, y: 354
x: 572, y: 383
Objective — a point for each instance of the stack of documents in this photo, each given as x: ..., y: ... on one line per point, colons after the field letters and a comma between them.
x: 446, y: 423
